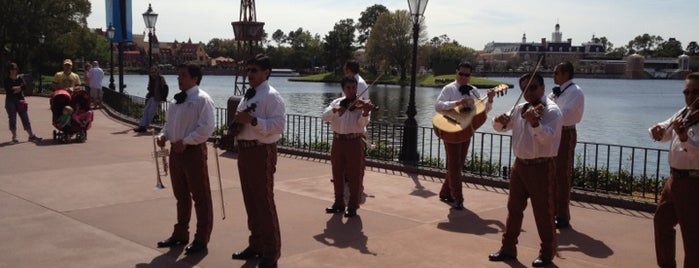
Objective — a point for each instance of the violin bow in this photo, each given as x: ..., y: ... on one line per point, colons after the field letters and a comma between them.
x: 367, y: 88
x: 536, y: 68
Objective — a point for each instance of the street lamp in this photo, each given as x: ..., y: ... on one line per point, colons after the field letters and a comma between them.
x: 110, y: 34
x: 42, y: 38
x: 150, y: 17
x: 408, y: 151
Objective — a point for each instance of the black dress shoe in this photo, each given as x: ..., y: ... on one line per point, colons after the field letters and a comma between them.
x: 446, y: 198
x: 560, y: 223
x: 351, y: 212
x: 195, y: 247
x: 246, y: 254
x: 267, y: 263
x: 541, y: 262
x: 458, y: 205
x: 334, y: 209
x: 171, y: 242
x: 501, y: 256
x: 140, y: 129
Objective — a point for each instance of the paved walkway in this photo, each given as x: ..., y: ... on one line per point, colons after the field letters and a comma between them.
x: 95, y: 204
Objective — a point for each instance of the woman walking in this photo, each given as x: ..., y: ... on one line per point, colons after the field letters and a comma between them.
x: 15, y: 103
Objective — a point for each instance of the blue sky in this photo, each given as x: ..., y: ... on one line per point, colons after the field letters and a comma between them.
x: 471, y: 23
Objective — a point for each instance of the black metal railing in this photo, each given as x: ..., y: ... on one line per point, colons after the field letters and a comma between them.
x: 628, y: 172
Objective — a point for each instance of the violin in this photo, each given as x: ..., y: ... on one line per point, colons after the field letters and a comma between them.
x: 356, y: 103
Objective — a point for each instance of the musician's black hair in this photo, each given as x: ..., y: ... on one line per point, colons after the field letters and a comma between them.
x: 536, y: 77
x: 193, y: 70
x: 693, y: 76
x: 464, y: 64
x: 567, y: 67
x: 352, y: 65
x: 347, y: 79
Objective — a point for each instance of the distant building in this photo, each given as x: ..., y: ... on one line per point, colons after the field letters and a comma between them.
x: 526, y: 55
x: 164, y: 53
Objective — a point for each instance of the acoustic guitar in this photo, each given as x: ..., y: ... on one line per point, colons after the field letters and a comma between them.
x: 458, y: 125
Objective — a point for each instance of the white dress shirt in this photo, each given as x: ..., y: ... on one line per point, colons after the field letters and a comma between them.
x: 192, y: 121
x: 270, y: 113
x: 682, y: 155
x: 450, y: 95
x: 571, y: 102
x: 350, y: 121
x: 534, y: 142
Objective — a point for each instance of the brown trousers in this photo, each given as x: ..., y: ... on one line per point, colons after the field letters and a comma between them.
x: 533, y: 181
x: 256, y: 166
x: 564, y: 173
x: 189, y: 174
x: 456, y: 156
x: 347, y: 159
x: 679, y: 203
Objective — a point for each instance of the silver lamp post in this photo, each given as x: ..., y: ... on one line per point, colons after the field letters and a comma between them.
x: 150, y: 17
x: 110, y: 34
x: 408, y: 151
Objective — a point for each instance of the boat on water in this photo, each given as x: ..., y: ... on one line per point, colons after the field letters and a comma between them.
x: 284, y: 73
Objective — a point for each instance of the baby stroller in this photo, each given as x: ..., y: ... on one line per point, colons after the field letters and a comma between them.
x: 81, y: 119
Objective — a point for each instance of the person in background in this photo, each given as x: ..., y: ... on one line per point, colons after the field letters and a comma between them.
x: 86, y: 74
x: 66, y: 79
x: 452, y: 95
x: 190, y: 123
x: 536, y: 135
x: 352, y: 69
x: 257, y: 161
x: 157, y: 93
x: 95, y: 84
x: 571, y: 100
x: 679, y: 201
x: 15, y: 104
x: 347, y: 154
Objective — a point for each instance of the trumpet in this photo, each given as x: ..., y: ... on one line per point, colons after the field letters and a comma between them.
x: 161, y: 166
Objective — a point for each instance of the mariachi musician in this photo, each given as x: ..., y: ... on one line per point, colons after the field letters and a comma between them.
x: 536, y: 134
x: 348, y: 117
x: 679, y: 201
x: 455, y: 94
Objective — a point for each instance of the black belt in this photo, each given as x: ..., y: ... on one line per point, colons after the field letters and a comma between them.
x: 244, y: 144
x: 686, y: 173
x: 535, y: 161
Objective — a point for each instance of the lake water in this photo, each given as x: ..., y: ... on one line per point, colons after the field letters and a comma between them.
x: 616, y: 111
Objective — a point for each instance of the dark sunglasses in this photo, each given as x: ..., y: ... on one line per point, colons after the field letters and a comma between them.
x: 252, y: 70
x: 464, y: 74
x: 692, y: 92
x: 532, y: 87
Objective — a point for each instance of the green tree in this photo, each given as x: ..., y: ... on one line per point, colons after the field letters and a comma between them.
x: 366, y: 21
x: 218, y: 47
x: 618, y: 52
x: 390, y: 41
x: 447, y: 55
x: 608, y: 46
x: 23, y: 22
x: 338, y: 44
x: 279, y: 37
x: 670, y: 48
x: 693, y: 48
x: 644, y: 44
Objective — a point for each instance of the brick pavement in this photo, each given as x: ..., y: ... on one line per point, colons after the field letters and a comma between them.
x: 94, y: 204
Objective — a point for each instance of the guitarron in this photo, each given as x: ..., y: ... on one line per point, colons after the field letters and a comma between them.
x: 458, y: 125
